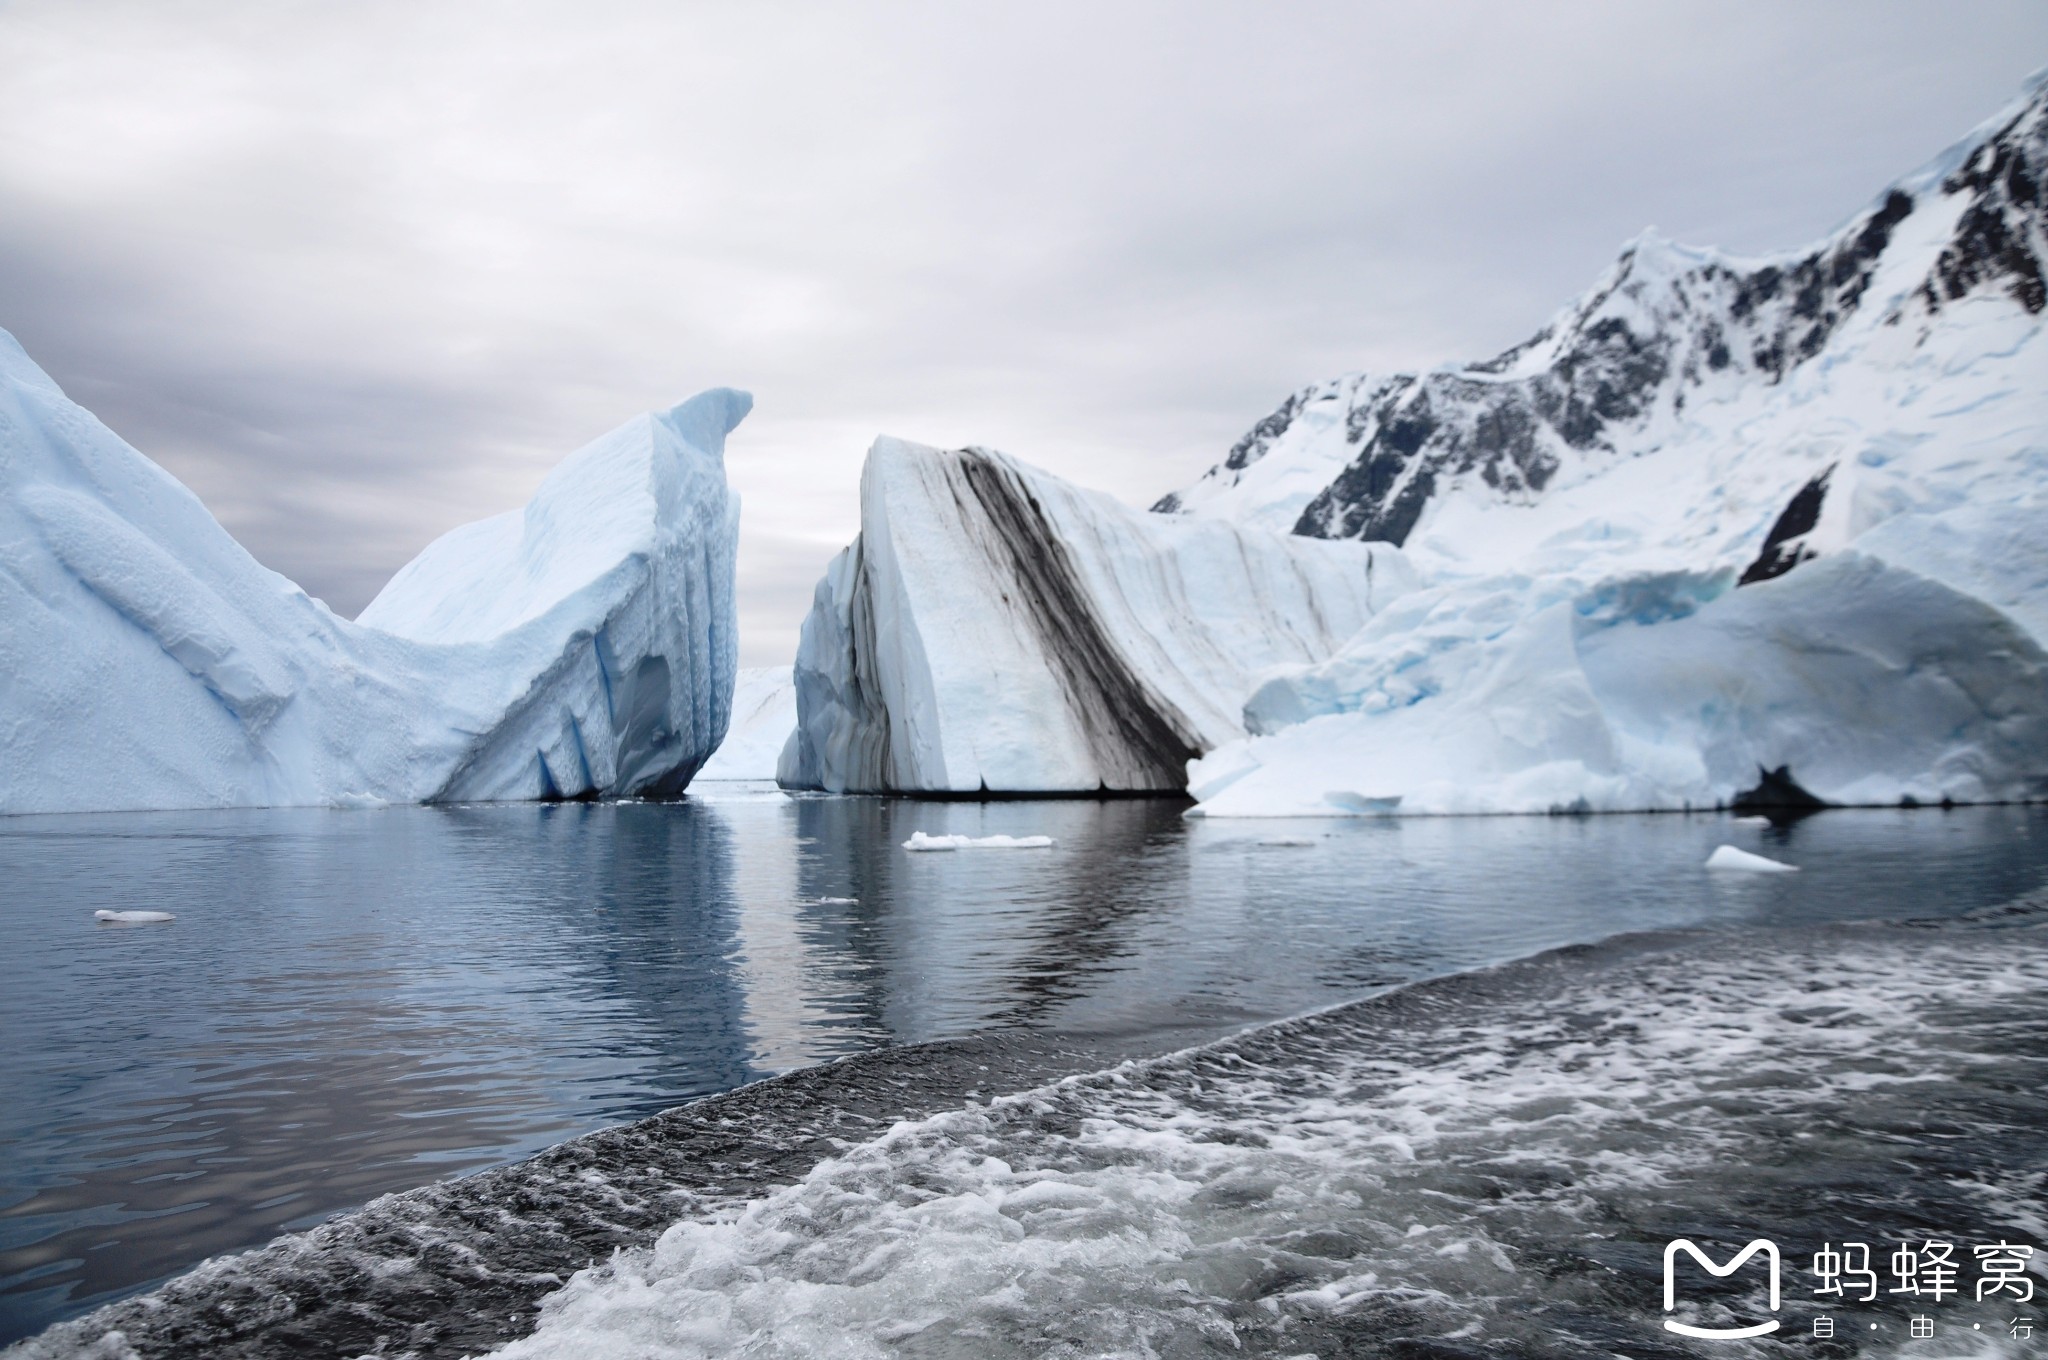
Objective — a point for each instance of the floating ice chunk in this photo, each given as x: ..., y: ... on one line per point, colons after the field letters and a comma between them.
x: 1869, y: 682
x: 734, y: 791
x: 996, y: 628
x: 133, y: 918
x: 359, y: 801
x: 919, y: 841
x: 1751, y: 821
x: 1728, y: 857
x: 837, y: 901
x: 583, y: 646
x: 1289, y: 842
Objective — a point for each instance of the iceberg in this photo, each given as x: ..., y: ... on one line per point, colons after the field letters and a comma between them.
x: 763, y: 718
x: 1727, y: 532
x: 1868, y: 682
x: 994, y: 629
x: 581, y: 647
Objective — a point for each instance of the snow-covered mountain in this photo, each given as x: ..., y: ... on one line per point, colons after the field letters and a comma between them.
x: 582, y: 646
x: 1582, y: 506
x: 1905, y: 324
x: 995, y: 629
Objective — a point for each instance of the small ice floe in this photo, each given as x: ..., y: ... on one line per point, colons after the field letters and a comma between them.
x: 736, y: 791
x: 132, y: 918
x: 1751, y: 821
x: 1728, y: 857
x: 837, y: 901
x: 1289, y: 842
x: 358, y: 802
x: 919, y: 841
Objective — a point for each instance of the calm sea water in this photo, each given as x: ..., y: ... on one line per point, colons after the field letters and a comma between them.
x: 356, y: 1002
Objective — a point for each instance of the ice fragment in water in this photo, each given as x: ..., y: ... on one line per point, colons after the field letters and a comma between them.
x: 1728, y: 857
x: 919, y: 841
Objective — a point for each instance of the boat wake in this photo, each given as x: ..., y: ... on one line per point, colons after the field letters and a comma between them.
x: 1487, y: 1164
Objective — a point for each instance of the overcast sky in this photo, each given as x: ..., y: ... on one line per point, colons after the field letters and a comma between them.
x: 358, y: 273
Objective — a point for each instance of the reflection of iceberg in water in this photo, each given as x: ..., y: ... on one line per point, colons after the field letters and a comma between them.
x: 647, y: 892
x: 840, y: 945
x: 517, y: 971
x: 940, y: 944
x: 350, y: 1004
x: 777, y: 965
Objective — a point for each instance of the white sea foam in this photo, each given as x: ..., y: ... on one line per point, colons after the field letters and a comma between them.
x: 1429, y: 1171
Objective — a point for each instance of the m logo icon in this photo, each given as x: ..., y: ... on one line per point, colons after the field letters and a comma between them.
x: 1764, y: 1245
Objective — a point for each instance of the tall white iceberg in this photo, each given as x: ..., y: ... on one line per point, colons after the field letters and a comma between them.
x: 1726, y: 530
x: 584, y: 646
x: 995, y: 629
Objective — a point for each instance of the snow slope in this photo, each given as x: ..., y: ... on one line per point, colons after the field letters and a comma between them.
x: 582, y: 646
x: 1855, y: 435
x: 997, y: 629
x: 763, y: 720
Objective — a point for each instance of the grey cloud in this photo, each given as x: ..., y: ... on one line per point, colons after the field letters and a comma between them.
x: 358, y: 275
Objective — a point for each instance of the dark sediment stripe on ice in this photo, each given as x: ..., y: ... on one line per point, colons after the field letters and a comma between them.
x: 1137, y: 738
x: 872, y: 767
x: 843, y: 721
x: 460, y: 1267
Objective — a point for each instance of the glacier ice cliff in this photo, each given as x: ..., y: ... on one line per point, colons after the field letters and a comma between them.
x: 1721, y: 519
x: 583, y: 646
x: 994, y: 629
